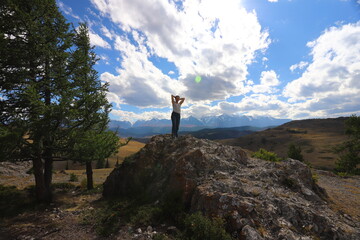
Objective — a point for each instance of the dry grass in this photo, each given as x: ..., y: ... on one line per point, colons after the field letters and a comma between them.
x: 131, y: 148
x: 316, y: 137
x: 60, y: 176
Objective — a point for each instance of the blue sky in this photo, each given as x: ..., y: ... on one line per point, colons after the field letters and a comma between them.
x: 293, y: 59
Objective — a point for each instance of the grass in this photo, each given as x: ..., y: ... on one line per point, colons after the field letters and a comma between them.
x: 320, y: 136
x: 14, y: 201
x: 131, y: 148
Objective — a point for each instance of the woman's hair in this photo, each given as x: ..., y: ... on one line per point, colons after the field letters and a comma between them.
x: 177, y: 96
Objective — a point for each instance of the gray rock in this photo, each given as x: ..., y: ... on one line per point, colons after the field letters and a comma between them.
x: 281, y: 198
x: 249, y: 233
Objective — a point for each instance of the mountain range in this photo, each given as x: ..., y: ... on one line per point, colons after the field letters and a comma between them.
x: 155, y: 126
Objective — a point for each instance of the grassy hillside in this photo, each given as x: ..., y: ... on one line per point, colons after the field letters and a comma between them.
x: 132, y: 147
x: 315, y: 136
x: 223, y: 133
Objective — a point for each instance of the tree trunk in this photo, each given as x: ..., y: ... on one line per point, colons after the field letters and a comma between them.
x: 40, y: 189
x: 47, y: 143
x: 48, y: 166
x: 89, y: 175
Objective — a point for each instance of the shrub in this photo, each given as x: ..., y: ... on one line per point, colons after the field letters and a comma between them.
x: 294, y: 152
x: 73, y: 177
x: 349, y: 151
x: 315, y: 177
x: 199, y: 227
x: 146, y: 215
x: 265, y: 155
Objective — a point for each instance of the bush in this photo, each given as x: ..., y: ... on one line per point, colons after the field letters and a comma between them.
x: 198, y: 227
x: 265, y: 155
x: 349, y: 151
x: 294, y: 152
x: 146, y: 215
x: 73, y: 177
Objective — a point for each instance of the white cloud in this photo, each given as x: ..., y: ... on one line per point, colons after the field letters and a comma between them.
x: 139, y: 82
x: 301, y: 65
x: 171, y: 72
x: 268, y: 80
x: 96, y: 40
x: 272, y: 0
x: 147, y: 115
x: 67, y: 10
x: 213, y: 39
x: 105, y: 58
x: 107, y: 33
x: 331, y: 82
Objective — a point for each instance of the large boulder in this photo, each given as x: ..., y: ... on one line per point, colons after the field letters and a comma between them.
x: 258, y: 199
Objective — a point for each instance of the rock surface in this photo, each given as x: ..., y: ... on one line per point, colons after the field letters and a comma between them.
x: 258, y: 199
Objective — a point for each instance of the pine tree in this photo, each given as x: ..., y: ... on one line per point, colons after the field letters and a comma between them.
x: 349, y: 151
x: 91, y: 109
x: 34, y: 44
x: 294, y: 152
x: 94, y: 145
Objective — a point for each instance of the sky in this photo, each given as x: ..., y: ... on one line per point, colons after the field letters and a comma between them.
x: 295, y: 59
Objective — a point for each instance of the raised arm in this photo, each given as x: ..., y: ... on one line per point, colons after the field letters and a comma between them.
x: 172, y: 99
x: 182, y: 100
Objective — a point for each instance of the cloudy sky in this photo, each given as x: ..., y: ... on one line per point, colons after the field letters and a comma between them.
x: 282, y: 58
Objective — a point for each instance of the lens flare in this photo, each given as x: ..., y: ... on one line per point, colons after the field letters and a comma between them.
x: 198, y: 79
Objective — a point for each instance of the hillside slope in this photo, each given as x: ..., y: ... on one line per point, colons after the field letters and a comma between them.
x: 315, y: 136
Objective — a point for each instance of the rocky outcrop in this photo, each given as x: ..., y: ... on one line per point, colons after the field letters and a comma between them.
x: 258, y: 199
x: 17, y: 169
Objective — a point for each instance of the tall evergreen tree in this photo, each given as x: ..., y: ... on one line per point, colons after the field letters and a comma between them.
x: 34, y: 87
x: 90, y: 138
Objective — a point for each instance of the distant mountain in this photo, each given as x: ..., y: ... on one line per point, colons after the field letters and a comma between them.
x: 225, y: 121
x: 143, y: 128
x: 155, y: 122
x: 119, y: 124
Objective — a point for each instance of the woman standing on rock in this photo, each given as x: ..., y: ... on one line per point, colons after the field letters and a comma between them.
x: 175, y: 115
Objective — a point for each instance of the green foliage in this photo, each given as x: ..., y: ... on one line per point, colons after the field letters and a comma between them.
x: 100, y: 163
x: 265, y: 155
x: 343, y: 174
x: 315, y: 177
x: 73, y: 177
x: 199, y: 227
x: 146, y: 215
x: 13, y: 201
x: 294, y: 152
x: 349, y: 151
x: 49, y: 88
